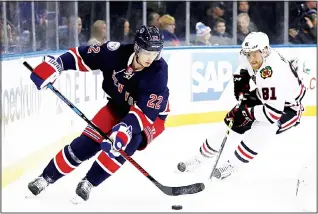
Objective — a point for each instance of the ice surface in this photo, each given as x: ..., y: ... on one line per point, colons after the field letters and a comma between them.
x: 268, y: 183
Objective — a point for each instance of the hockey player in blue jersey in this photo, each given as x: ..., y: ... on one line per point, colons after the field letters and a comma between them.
x: 135, y: 78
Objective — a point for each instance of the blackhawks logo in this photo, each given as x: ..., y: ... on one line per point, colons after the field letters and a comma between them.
x: 266, y: 72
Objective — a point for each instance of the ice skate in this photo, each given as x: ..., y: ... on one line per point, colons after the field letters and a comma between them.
x: 192, y: 164
x: 196, y: 162
x: 223, y: 171
x: 83, y: 191
x: 38, y: 185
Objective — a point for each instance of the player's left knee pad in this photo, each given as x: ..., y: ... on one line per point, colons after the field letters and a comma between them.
x: 84, y: 147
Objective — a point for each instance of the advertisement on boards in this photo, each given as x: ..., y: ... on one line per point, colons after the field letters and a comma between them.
x: 211, y: 73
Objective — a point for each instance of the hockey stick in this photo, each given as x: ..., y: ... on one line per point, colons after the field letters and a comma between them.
x: 225, y: 137
x: 172, y: 191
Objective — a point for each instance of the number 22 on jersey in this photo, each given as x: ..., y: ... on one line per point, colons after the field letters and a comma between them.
x: 152, y: 99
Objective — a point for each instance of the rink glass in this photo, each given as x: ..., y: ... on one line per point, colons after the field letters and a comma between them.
x: 45, y: 26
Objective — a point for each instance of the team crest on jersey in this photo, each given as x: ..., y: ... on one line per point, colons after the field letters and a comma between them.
x: 129, y: 73
x: 266, y: 72
x: 112, y: 46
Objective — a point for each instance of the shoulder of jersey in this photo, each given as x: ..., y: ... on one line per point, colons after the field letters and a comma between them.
x: 117, y: 46
x: 160, y: 65
x: 278, y: 64
x: 274, y: 68
x: 157, y: 76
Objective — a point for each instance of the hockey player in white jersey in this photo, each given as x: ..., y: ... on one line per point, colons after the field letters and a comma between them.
x: 273, y: 107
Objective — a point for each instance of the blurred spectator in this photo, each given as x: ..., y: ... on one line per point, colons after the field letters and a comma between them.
x: 308, y: 33
x: 292, y: 33
x: 72, y: 29
x: 67, y: 39
x: 62, y: 28
x: 243, y: 7
x: 41, y: 31
x: 26, y: 37
x: 203, y: 34
x: 64, y: 21
x: 153, y: 19
x: 72, y: 25
x: 215, y: 11
x: 243, y: 21
x: 219, y: 36
x: 297, y: 12
x: 168, y: 26
x: 311, y: 5
x: 13, y: 39
x: 121, y: 32
x: 98, y: 33
x: 11, y: 36
x: 2, y: 36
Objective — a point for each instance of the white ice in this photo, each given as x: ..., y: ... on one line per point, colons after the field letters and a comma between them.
x: 266, y: 184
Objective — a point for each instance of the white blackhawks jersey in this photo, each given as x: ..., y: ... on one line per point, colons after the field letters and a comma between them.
x: 277, y: 86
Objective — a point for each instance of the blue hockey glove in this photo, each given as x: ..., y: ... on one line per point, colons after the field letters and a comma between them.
x: 121, y: 136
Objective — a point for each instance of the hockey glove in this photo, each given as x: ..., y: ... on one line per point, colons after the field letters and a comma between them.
x: 46, y: 72
x: 241, y: 83
x: 241, y: 116
x: 120, y: 137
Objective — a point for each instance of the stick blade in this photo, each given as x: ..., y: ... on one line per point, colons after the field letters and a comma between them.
x: 184, y: 190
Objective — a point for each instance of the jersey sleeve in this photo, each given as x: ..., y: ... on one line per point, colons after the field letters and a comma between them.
x: 152, y: 102
x: 87, y: 58
x: 273, y: 94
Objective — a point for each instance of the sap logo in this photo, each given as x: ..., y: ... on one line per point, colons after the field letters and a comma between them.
x: 210, y: 79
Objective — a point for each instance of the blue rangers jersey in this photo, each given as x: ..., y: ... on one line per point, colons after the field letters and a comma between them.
x: 139, y: 97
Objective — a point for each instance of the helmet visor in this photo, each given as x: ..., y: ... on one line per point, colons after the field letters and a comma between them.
x: 149, y: 53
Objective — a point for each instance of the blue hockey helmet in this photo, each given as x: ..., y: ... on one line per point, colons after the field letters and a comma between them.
x: 149, y: 39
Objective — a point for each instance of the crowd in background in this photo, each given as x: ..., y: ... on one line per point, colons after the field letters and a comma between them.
x: 211, y: 23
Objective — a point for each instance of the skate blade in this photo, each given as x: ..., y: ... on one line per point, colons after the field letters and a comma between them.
x: 186, y: 171
x: 77, y: 200
x: 28, y: 194
x: 178, y: 171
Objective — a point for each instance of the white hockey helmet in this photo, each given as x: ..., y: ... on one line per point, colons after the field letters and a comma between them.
x: 255, y: 41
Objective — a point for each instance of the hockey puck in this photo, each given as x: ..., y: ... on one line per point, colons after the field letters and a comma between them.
x: 176, y: 207
x: 182, y: 167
